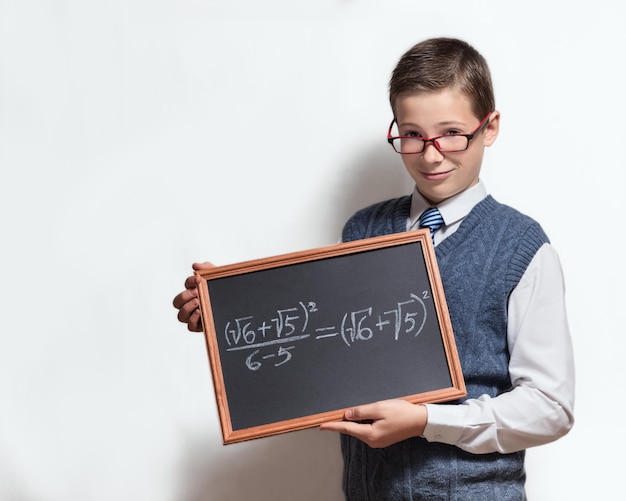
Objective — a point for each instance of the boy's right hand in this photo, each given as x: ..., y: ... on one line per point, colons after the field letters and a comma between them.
x: 187, y: 302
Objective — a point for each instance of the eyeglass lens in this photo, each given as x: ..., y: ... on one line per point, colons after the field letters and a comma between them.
x: 417, y: 145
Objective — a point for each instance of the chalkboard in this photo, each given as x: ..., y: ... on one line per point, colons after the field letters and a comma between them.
x: 294, y: 340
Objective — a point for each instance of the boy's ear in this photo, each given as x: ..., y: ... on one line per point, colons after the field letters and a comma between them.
x: 492, y: 129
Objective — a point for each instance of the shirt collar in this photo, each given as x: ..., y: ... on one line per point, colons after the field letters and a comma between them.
x: 453, y: 210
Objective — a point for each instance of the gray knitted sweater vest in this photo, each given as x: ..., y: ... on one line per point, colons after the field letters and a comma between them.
x: 480, y: 264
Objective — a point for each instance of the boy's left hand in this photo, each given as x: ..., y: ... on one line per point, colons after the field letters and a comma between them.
x: 382, y: 423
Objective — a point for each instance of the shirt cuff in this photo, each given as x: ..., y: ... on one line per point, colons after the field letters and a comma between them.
x: 445, y: 423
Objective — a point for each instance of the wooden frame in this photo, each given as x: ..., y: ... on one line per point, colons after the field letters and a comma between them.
x: 233, y: 290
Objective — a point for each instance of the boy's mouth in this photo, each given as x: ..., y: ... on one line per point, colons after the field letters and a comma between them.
x: 436, y: 176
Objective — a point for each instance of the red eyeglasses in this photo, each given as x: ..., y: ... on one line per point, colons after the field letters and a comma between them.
x: 448, y: 143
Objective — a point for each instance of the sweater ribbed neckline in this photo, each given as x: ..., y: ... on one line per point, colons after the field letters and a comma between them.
x: 478, y: 212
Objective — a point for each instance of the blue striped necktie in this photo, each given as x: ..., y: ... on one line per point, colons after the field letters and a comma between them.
x: 431, y: 218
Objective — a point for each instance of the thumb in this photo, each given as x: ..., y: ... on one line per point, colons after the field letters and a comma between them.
x: 202, y: 266
x: 361, y: 413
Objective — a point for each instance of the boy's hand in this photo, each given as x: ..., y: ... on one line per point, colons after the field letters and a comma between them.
x: 187, y: 302
x: 383, y: 423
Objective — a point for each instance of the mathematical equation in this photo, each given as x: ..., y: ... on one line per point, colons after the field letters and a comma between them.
x: 271, y: 341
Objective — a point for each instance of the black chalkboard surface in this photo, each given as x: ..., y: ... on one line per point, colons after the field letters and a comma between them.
x: 294, y: 340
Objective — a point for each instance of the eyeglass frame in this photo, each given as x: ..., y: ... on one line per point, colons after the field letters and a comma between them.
x: 433, y: 140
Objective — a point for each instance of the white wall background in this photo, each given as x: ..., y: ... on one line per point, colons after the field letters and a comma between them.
x: 138, y: 136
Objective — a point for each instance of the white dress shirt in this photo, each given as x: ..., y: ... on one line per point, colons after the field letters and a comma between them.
x: 539, y: 408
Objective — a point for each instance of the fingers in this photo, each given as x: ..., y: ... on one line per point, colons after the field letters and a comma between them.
x: 357, y: 421
x: 187, y: 303
x: 185, y: 297
x: 382, y: 423
x: 355, y: 429
x: 192, y: 282
x: 194, y: 323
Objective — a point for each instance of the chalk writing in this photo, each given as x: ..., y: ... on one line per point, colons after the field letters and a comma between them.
x: 271, y: 341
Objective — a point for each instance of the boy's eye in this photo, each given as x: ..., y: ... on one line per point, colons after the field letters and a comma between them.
x: 411, y: 133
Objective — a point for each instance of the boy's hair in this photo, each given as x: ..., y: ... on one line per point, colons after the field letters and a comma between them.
x: 440, y: 63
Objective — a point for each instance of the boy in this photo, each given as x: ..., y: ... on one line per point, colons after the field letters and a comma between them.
x: 504, y: 290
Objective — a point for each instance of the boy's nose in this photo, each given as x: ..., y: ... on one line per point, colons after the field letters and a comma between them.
x: 431, y: 153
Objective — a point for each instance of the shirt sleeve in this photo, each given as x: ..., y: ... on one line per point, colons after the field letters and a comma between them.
x: 539, y: 407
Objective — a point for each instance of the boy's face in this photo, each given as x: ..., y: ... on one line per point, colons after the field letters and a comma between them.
x: 439, y: 176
